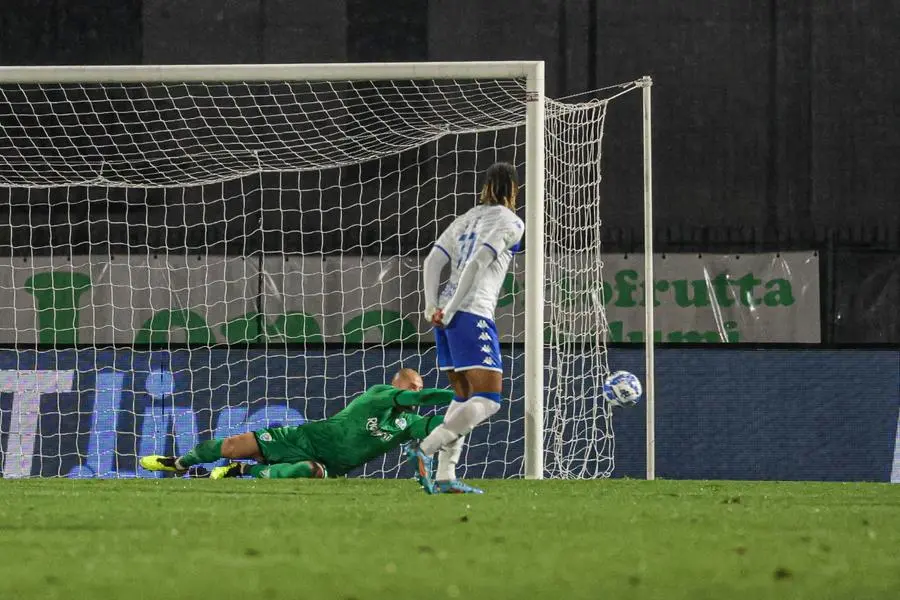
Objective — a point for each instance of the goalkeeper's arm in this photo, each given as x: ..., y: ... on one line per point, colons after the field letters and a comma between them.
x: 421, y: 427
x: 426, y: 397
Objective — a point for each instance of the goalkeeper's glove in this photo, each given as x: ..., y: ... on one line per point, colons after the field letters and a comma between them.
x: 429, y: 313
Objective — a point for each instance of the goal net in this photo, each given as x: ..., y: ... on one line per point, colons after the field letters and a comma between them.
x: 202, y: 258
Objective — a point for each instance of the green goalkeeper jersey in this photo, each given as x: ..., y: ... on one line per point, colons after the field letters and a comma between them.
x: 378, y: 421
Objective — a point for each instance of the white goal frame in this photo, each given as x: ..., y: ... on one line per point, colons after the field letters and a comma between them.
x: 533, y: 73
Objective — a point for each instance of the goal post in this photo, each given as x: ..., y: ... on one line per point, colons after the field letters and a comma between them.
x: 534, y: 273
x: 256, y: 135
x: 646, y: 84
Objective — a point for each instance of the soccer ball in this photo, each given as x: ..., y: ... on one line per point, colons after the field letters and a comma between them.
x: 622, y: 389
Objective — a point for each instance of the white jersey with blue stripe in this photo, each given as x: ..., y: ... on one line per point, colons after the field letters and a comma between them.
x: 495, y: 227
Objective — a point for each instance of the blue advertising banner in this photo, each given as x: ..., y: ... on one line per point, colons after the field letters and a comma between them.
x: 767, y: 414
x: 722, y: 413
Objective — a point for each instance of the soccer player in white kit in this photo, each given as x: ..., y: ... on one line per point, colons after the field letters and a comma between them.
x: 479, y: 246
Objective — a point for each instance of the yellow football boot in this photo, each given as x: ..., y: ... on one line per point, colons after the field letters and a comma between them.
x: 229, y: 470
x: 160, y: 463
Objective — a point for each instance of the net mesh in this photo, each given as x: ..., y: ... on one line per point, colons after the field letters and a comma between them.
x: 202, y: 259
x: 194, y: 133
x: 579, y: 438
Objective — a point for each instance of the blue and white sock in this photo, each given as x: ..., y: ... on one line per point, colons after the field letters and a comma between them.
x: 474, y: 411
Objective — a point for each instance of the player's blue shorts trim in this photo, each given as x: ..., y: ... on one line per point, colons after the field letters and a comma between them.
x: 469, y: 342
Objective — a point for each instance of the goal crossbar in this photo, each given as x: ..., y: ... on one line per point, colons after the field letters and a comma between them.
x: 272, y: 72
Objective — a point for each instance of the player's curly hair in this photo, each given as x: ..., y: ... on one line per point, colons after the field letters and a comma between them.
x: 501, y: 185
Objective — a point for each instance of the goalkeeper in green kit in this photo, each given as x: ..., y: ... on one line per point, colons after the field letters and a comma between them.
x: 374, y: 423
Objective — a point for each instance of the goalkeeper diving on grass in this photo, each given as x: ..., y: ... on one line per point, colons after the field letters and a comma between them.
x: 478, y: 246
x: 376, y: 422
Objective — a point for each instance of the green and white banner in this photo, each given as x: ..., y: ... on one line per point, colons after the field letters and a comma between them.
x: 214, y: 299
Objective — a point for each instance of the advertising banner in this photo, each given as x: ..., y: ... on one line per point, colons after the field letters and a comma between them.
x: 770, y: 297
x: 215, y: 299
x: 93, y: 412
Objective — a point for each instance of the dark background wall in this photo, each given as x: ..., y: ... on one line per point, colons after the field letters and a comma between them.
x: 776, y: 122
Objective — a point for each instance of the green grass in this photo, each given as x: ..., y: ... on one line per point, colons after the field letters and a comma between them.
x: 363, y: 540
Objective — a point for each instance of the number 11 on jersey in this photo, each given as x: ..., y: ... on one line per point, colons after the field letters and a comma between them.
x: 467, y: 246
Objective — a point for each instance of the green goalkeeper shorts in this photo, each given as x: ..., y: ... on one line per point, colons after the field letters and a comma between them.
x: 285, y: 445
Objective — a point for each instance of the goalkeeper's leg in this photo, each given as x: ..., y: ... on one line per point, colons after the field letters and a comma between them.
x: 307, y: 469
x: 236, y: 446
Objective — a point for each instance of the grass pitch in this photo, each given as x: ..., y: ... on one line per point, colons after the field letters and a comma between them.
x: 363, y: 540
